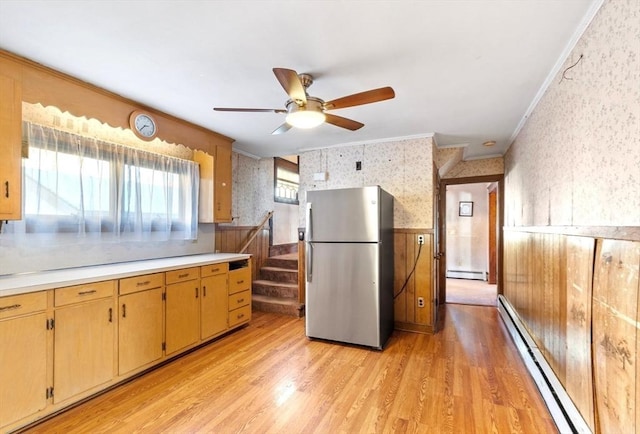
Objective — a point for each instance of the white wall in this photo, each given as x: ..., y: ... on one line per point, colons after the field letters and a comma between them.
x: 467, y: 238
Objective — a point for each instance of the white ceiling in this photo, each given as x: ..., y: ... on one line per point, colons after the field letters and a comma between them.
x: 467, y: 71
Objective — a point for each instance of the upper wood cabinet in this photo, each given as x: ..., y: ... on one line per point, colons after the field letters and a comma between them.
x: 10, y: 148
x: 222, y: 187
x: 205, y: 196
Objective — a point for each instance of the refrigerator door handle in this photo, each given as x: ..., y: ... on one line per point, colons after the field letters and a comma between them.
x: 309, y: 248
x: 309, y: 256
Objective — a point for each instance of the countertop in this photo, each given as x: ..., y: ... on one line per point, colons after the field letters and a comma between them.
x: 38, y: 281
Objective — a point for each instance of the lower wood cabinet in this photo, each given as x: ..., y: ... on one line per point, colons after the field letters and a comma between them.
x: 62, y: 345
x: 182, y: 326
x: 213, y: 306
x: 84, y: 347
x: 23, y: 356
x: 140, y: 329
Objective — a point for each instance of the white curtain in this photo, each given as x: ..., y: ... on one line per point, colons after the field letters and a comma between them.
x: 82, y: 185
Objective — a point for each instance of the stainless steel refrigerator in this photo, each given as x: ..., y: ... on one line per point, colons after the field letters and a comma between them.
x: 349, y: 265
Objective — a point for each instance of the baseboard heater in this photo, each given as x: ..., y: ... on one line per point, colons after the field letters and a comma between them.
x: 563, y: 411
x: 465, y: 274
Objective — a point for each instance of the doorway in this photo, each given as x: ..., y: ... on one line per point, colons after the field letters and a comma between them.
x: 468, y: 241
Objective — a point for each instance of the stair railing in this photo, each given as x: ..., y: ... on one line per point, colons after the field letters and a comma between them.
x: 256, y: 232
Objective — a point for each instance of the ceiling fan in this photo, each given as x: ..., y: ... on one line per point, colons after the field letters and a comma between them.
x: 305, y: 111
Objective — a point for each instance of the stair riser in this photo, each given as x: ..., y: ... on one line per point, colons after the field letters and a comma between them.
x: 289, y: 264
x: 278, y: 308
x: 275, y: 291
x: 279, y: 276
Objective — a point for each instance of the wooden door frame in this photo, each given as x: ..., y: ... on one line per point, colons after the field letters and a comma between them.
x: 440, y: 249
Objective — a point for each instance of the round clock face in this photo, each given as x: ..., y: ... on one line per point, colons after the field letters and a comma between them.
x: 145, y: 125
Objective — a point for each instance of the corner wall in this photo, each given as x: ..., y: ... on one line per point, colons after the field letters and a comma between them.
x: 572, y: 215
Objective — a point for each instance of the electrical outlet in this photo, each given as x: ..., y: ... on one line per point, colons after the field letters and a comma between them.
x: 420, y: 239
x: 420, y: 301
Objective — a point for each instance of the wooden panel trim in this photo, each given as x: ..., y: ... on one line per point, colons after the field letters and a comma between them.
x: 412, y: 231
x: 415, y: 328
x: 628, y: 233
x: 53, y: 88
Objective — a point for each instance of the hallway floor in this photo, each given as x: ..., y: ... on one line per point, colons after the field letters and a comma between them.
x: 474, y: 292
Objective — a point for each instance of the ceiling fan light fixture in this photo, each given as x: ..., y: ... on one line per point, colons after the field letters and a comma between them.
x: 305, y: 116
x: 305, y: 119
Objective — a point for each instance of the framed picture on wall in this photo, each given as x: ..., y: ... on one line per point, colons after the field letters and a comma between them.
x: 465, y: 209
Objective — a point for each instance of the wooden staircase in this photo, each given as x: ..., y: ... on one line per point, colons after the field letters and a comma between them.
x: 276, y: 289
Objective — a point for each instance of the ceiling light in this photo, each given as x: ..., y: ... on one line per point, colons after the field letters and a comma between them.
x: 306, y: 116
x: 489, y: 143
x: 305, y: 119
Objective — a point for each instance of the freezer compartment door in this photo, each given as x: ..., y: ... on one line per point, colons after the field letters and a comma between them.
x: 349, y: 215
x: 342, y: 298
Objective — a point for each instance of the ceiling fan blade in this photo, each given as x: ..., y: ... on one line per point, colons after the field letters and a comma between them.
x: 255, y: 110
x: 291, y: 84
x: 339, y: 121
x: 282, y: 129
x: 361, y: 98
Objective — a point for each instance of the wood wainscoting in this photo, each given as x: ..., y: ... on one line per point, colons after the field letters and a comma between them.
x: 576, y: 292
x: 230, y: 239
x: 409, y: 288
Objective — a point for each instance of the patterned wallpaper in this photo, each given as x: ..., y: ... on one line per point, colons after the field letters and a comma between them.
x: 402, y: 168
x: 465, y: 169
x: 577, y: 159
x: 252, y: 191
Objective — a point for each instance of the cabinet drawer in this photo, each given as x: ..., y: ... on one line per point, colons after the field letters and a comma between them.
x: 15, y: 305
x: 182, y: 275
x: 240, y: 315
x: 79, y: 293
x: 140, y: 283
x: 239, y: 299
x: 239, y: 280
x: 213, y: 269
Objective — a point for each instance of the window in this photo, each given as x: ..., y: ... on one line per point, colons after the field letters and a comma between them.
x: 75, y: 184
x: 286, y: 180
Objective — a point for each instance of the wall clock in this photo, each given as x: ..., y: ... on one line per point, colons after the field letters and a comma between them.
x: 143, y: 125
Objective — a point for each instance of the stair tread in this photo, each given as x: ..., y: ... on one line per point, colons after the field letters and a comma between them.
x: 272, y: 268
x: 276, y: 300
x: 275, y: 283
x: 286, y: 256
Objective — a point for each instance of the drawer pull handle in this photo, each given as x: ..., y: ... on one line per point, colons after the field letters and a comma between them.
x: 215, y: 270
x: 10, y: 307
x: 240, y: 281
x: 91, y: 291
x: 240, y: 315
x: 182, y: 276
x: 146, y: 282
x: 240, y: 300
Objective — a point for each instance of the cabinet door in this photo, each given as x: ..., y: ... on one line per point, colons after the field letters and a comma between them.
x: 139, y: 329
x: 23, y: 367
x: 84, y: 341
x: 205, y: 201
x: 182, y: 315
x: 222, y: 190
x: 10, y: 144
x: 213, y: 306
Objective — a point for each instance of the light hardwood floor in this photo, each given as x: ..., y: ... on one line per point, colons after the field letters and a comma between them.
x: 269, y: 378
